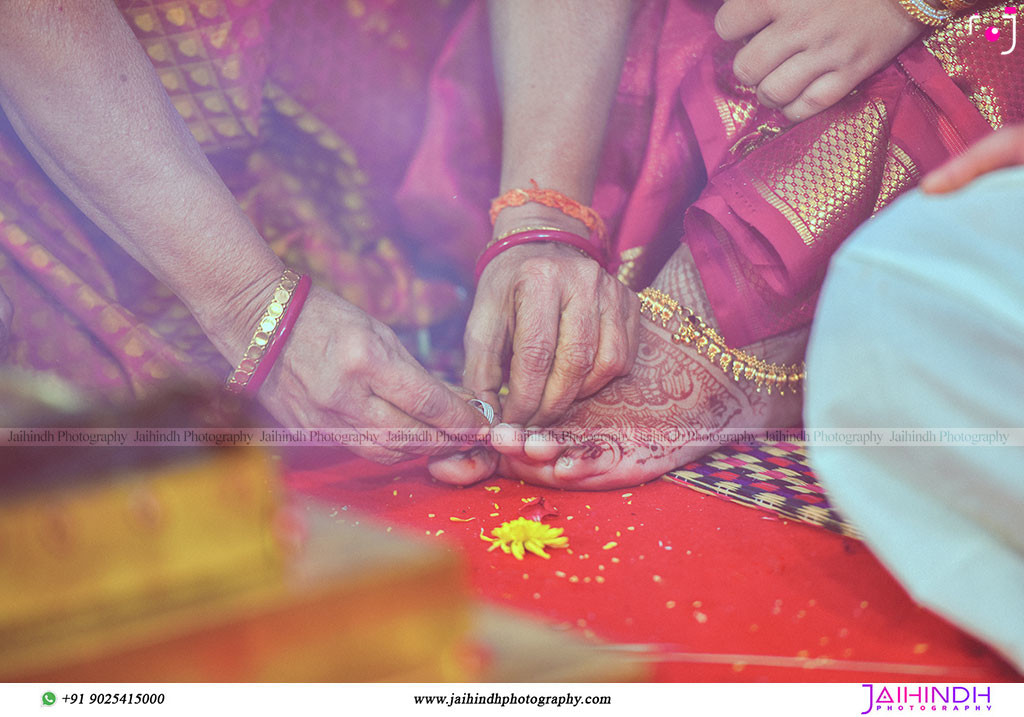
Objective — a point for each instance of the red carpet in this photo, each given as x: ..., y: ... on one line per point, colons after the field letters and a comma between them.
x: 713, y: 590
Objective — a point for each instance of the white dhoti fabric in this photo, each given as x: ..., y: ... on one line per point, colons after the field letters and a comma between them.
x: 919, y: 335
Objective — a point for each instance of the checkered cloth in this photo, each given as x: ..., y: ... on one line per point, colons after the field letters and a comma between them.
x: 772, y: 476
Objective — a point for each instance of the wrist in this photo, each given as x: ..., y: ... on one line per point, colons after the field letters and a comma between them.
x: 512, y: 219
x: 230, y: 314
x: 536, y: 214
x: 271, y: 335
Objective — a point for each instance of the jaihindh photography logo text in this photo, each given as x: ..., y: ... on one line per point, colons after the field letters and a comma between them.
x: 927, y: 698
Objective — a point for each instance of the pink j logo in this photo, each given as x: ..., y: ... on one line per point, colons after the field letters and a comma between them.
x: 993, y: 34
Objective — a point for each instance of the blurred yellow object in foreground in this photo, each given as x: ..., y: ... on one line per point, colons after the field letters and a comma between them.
x: 179, y: 563
x: 147, y: 540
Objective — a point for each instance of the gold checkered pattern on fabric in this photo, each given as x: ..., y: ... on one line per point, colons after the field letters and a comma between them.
x: 311, y: 200
x: 736, y: 114
x: 211, y: 57
x: 900, y: 173
x: 988, y: 78
x: 825, y: 181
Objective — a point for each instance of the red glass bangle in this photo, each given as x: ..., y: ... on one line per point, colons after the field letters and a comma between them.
x: 535, y: 235
x: 284, y: 330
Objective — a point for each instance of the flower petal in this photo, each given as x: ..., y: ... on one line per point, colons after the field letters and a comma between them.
x: 537, y: 550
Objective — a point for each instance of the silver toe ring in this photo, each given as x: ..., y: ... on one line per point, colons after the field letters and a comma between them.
x: 484, y: 408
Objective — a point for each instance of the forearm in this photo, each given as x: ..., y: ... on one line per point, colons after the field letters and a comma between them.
x: 80, y: 92
x: 557, y: 64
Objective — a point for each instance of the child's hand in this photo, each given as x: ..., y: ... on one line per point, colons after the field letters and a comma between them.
x: 806, y: 55
x: 1001, y: 149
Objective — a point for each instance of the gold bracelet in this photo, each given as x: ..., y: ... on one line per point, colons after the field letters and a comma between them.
x: 265, y: 330
x: 510, y: 232
x: 693, y: 330
x: 924, y: 13
x: 959, y: 5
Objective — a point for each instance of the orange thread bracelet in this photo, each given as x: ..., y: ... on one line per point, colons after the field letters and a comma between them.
x: 556, y: 200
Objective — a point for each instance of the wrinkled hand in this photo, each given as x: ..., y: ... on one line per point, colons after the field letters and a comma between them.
x: 999, y: 150
x: 806, y: 55
x: 562, y: 324
x: 569, y: 328
x: 341, y: 368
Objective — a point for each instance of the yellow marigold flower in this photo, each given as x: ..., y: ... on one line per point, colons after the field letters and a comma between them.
x: 519, y: 535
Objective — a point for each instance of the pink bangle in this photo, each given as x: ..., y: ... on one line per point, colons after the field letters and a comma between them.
x: 271, y: 332
x: 284, y: 330
x: 534, y: 235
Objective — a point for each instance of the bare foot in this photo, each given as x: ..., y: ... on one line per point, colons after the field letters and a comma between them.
x: 465, y: 467
x: 668, y: 410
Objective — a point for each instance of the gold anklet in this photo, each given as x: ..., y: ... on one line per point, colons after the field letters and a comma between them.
x: 924, y: 13
x: 693, y: 330
x: 955, y: 6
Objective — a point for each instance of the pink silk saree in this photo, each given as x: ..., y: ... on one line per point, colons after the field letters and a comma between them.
x: 691, y: 156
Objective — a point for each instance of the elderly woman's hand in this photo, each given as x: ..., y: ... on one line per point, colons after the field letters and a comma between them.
x: 562, y: 325
x: 82, y: 94
x: 343, y: 369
